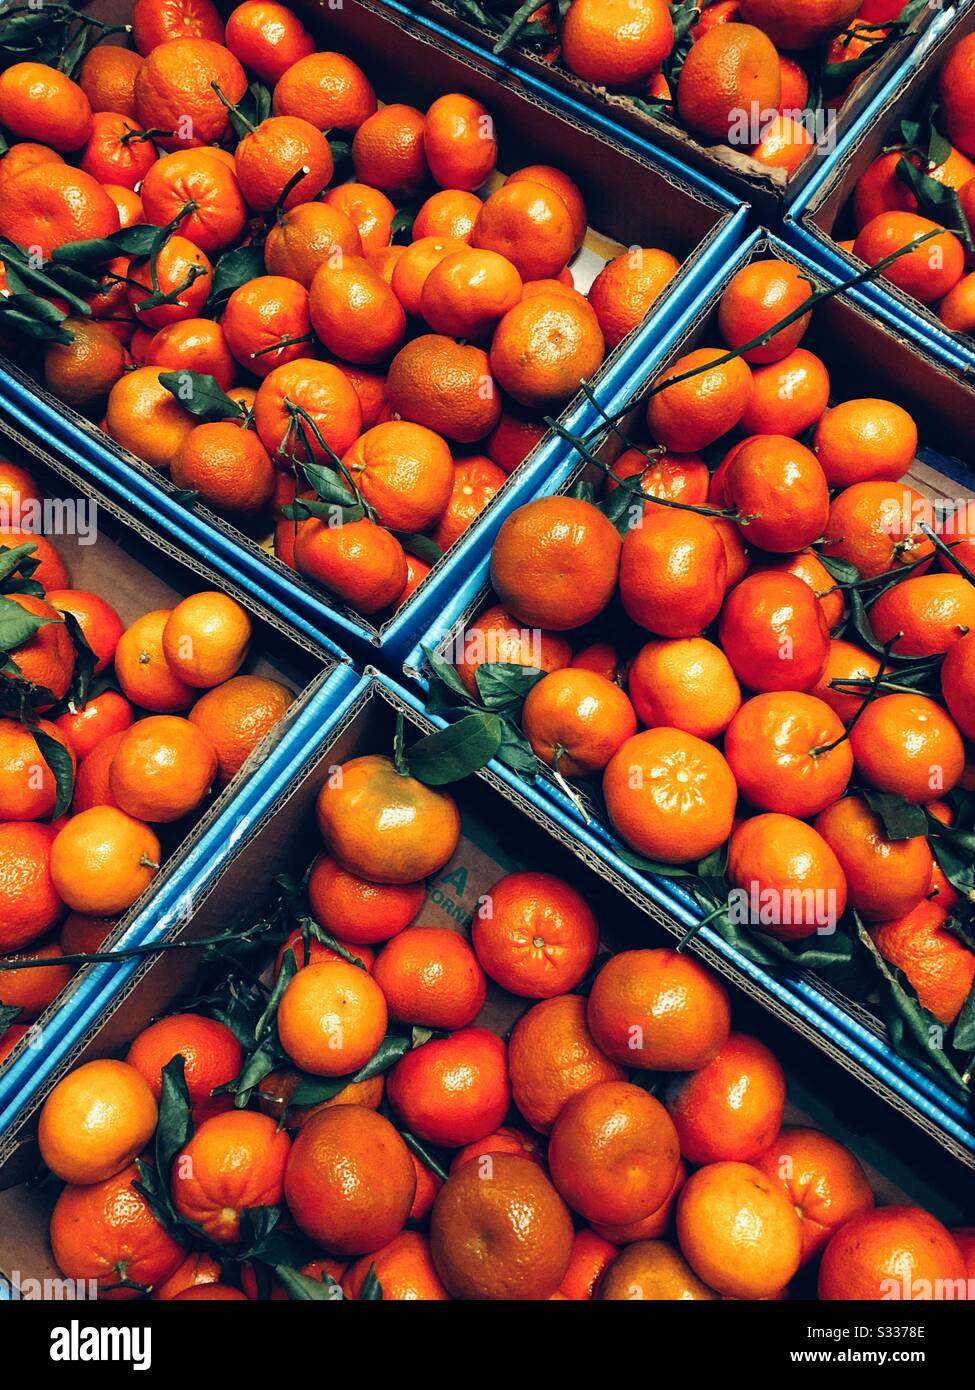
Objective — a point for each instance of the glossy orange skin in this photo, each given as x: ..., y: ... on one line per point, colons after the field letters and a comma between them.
x: 211, y: 1053
x: 885, y: 878
x: 323, y: 392
x: 445, y: 385
x: 535, y: 935
x: 926, y: 614
x: 195, y: 176
x: 897, y: 1251
x: 31, y: 991
x: 683, y: 803
x: 431, y: 978
x: 233, y: 1161
x: 100, y: 624
x: 865, y: 440
x: 730, y: 67
x: 305, y: 237
x: 778, y: 483
x: 227, y: 467
x: 369, y: 211
x: 738, y: 1231
x: 929, y: 272
x: 458, y: 142
x: 823, y: 1180
x: 327, y: 89
x: 350, y: 1180
x: 940, y: 968
x: 545, y: 347
x: 759, y: 296
x: 506, y: 1140
x: 331, y: 1018
x: 624, y: 291
x: 652, y: 1227
x: 267, y: 38
x: 175, y: 81
x: 107, y: 78
x: 652, y: 1270
x: 260, y: 315
x: 316, y: 951
x: 495, y: 637
x: 731, y: 1108
x: 177, y: 260
x: 210, y: 1293
x: 906, y: 744
x: 685, y: 683
x: 92, y: 786
x: 198, y: 1268
x: 807, y: 566
x: 103, y: 860
x: 555, y: 563
x: 163, y: 769
x: 658, y: 1010
x: 876, y: 526
x: 590, y: 1256
x: 677, y: 477
x: 42, y: 104
x: 576, y: 720
x: 530, y: 225
x: 404, y: 471
x: 773, y: 632
x: 452, y: 1091
x: 958, y: 684
x: 111, y: 155
x: 552, y: 1056
x: 771, y: 747
x: 780, y: 855
x: 105, y: 1231
x: 692, y: 414
x: 52, y: 204
x: 613, y: 1153
x: 611, y: 44
x: 47, y: 658
x: 477, y: 481
x: 387, y: 150
x: 143, y: 671
x: 673, y: 573
x: 512, y: 439
x: 357, y: 910
x: 28, y: 788
x: 788, y: 396
x: 404, y: 1268
x: 95, y: 1121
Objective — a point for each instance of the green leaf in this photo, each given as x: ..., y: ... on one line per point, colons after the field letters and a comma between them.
x: 84, y: 666
x: 902, y: 820
x: 963, y: 1037
x: 329, y: 485
x: 199, y: 394
x: 302, y: 1288
x: 516, y: 752
x: 423, y: 547
x: 503, y: 685
x: 936, y: 200
x: 175, y: 1125
x: 313, y: 1090
x: 58, y: 760
x: 11, y: 560
x: 453, y: 753
x: 446, y: 673
x: 17, y: 626
x: 235, y: 268
x: 134, y: 241
x: 841, y: 570
x: 372, y: 1290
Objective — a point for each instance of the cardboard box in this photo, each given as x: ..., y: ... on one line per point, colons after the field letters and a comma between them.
x: 867, y: 359
x: 120, y: 558
x: 769, y: 191
x: 500, y: 833
x: 822, y: 216
x: 633, y: 200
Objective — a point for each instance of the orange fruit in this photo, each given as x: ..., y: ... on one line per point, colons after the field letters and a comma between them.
x: 759, y: 296
x: 459, y: 143
x: 369, y: 211
x: 731, y: 1107
x: 157, y: 21
x: 652, y: 1270
x: 363, y: 564
x: 103, y: 860
x: 691, y: 414
x: 495, y: 637
x: 785, y: 141
x: 404, y: 1268
x: 778, y: 484
x: 95, y: 1121
x: 290, y: 394
x: 52, y: 204
x: 863, y: 440
x: 503, y: 1236
x: 92, y: 786
x: 145, y: 418
x: 560, y: 183
x: 82, y: 372
x: 880, y: 187
x: 476, y: 480
x: 625, y: 289
x: 211, y: 1054
x: 576, y: 720
x: 670, y: 795
x: 552, y: 1056
x: 954, y: 91
x: 685, y: 683
x: 788, y: 396
x: 925, y: 615
x: 327, y: 89
x: 30, y: 991
x: 792, y: 872
x: 730, y: 70
x: 144, y: 673
x: 555, y: 563
x: 930, y: 271
x: 876, y: 527
x: 269, y: 156
x: 106, y: 1231
x: 886, y: 878
x: 308, y: 236
x: 196, y: 1270
x: 276, y: 1094
x: 115, y: 151
x: 454, y: 1090
x: 530, y: 225
x: 404, y: 471
x: 209, y: 1293
x: 41, y: 103
x: 107, y: 78
x: 350, y: 1180
x: 27, y: 155
x: 673, y: 573
x: 535, y: 935
x: 82, y: 935
x: 195, y: 177
x: 544, y: 347
x: 957, y: 310
x: 178, y: 266
x: 677, y: 477
x: 226, y: 466
x: 823, y: 1180
x: 266, y: 323
x: 383, y: 826
x: 467, y: 292
x: 738, y: 1230
x: 267, y: 38
x: 162, y: 770
x: 47, y: 658
x: 590, y: 1257
x: 357, y: 910
x: 506, y: 1140
x: 234, y: 1161
x: 431, y: 978
x: 387, y: 150
x: 774, y: 633
x: 205, y: 638
x: 613, y: 1152
x: 314, y: 951
x: 788, y: 28
x: 658, y: 1010
x: 614, y: 43
x: 412, y: 268
x: 780, y: 748
x: 958, y: 682
x: 446, y: 386
x: 51, y: 571
x: 236, y: 716
x: 195, y: 345
x: 896, y: 1251
x: 907, y: 745
x: 19, y: 492
x: 807, y: 566
x: 939, y: 967
x: 331, y: 1018
x: 449, y: 213
x: 174, y: 91
x: 601, y: 658
x: 28, y: 788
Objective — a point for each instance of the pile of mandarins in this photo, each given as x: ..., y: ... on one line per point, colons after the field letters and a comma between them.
x: 418, y: 375
x: 769, y: 649
x: 457, y: 1164
x: 110, y: 734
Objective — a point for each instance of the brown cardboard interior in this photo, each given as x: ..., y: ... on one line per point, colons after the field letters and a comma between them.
x: 874, y: 361
x: 763, y: 187
x: 901, y: 1164
x: 630, y: 202
x: 137, y: 572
